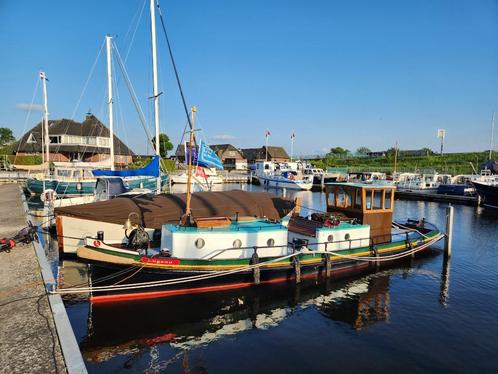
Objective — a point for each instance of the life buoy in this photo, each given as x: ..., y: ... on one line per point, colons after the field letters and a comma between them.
x: 48, y: 195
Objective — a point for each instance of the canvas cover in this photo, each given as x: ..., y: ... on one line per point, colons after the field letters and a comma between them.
x: 156, y: 210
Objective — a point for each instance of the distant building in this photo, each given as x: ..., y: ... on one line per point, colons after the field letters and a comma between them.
x: 277, y: 154
x: 377, y: 154
x: 73, y: 141
x: 231, y: 157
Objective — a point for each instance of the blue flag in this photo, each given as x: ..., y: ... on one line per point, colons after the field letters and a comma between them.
x: 205, y: 157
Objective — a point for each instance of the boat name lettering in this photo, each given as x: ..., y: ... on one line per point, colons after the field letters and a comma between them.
x: 163, y: 261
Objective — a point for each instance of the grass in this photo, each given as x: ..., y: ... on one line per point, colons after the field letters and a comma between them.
x: 451, y: 163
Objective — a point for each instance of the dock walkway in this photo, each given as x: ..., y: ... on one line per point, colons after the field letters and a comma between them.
x: 29, y: 342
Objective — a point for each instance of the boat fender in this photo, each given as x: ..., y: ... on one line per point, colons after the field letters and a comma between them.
x: 138, y: 239
x: 78, y: 186
x: 332, y: 222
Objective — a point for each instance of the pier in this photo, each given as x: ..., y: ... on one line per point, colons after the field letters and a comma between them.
x: 422, y: 196
x: 33, y: 327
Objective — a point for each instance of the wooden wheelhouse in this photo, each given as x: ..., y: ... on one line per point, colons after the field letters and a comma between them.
x: 370, y: 204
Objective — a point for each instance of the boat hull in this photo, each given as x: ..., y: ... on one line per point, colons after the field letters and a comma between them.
x: 109, y: 267
x: 285, y: 183
x: 488, y: 194
x: 85, y: 187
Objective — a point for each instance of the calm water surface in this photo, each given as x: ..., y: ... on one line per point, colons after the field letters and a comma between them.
x: 420, y: 316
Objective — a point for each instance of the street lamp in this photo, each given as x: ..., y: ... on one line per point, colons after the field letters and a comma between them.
x: 441, y: 133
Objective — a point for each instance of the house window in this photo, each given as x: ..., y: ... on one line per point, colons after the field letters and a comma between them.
x: 91, y: 140
x: 55, y: 139
x: 103, y: 142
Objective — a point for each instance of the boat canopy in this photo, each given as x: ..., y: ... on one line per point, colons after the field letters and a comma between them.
x: 157, y: 210
x: 152, y: 169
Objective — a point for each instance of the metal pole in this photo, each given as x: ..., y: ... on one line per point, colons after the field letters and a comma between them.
x: 45, y: 115
x: 292, y: 145
x: 492, y: 136
x: 189, y: 168
x: 266, y: 146
x: 449, y: 231
x: 108, y: 42
x: 155, y: 91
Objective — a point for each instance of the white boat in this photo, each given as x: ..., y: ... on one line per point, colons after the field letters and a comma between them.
x: 282, y: 175
x: 422, y: 182
x: 206, y: 176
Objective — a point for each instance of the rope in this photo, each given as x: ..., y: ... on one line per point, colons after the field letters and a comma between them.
x: 234, y: 271
x: 173, y: 281
x: 396, y: 224
x: 87, y: 81
x: 174, y: 64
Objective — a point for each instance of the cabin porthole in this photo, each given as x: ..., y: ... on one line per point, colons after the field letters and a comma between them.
x: 270, y: 242
x: 330, y: 238
x: 237, y: 243
x: 347, y: 237
x: 199, y: 243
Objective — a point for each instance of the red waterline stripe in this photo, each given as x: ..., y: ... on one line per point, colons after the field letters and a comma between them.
x: 156, y: 294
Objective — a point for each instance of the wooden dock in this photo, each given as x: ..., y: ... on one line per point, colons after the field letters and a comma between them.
x: 421, y: 196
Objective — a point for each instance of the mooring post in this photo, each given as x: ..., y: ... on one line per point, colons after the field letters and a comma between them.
x: 449, y: 231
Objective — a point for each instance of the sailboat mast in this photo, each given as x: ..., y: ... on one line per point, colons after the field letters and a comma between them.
x: 154, y: 81
x: 108, y: 42
x: 189, y: 168
x: 395, y: 156
x: 45, y: 116
x: 492, y: 136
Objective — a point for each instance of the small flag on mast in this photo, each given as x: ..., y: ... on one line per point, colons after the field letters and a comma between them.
x: 293, y: 135
x: 267, y: 133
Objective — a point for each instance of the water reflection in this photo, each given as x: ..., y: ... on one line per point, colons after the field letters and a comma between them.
x: 187, y: 322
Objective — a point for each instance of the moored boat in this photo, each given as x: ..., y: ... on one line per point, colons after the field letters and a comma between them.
x: 222, y: 252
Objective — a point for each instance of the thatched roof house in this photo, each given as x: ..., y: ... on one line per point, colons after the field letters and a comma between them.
x: 71, y: 140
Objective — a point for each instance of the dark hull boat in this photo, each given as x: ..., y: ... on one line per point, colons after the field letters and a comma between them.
x: 155, y: 277
x: 488, y: 194
x: 220, y: 253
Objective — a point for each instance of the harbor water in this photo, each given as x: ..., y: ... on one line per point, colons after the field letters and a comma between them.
x: 426, y: 314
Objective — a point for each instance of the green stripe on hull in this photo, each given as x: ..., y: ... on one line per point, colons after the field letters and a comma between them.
x: 286, y: 262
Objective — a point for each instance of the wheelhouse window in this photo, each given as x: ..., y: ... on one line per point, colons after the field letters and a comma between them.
x: 377, y: 199
x: 357, y: 202
x: 388, y: 199
x: 344, y: 199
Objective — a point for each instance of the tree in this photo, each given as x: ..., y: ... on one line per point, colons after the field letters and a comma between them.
x: 363, y: 151
x: 391, y: 151
x: 164, y: 145
x: 338, y: 151
x: 6, y: 136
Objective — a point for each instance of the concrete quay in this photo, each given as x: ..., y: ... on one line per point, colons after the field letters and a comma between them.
x: 30, y: 338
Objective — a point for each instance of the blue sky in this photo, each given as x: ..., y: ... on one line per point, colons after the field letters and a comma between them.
x: 341, y: 73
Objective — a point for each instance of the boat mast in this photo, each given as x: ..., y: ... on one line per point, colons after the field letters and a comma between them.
x: 154, y: 82
x: 492, y: 135
x: 108, y: 42
x: 45, y: 116
x: 189, y: 168
x: 395, y: 156
x: 293, y: 135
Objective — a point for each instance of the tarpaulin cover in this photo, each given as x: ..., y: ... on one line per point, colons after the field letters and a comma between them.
x: 156, y: 210
x: 152, y: 170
